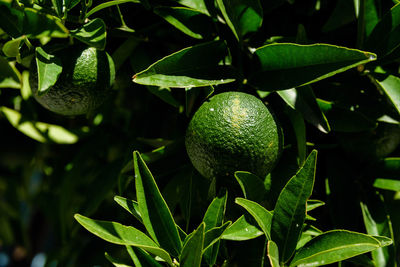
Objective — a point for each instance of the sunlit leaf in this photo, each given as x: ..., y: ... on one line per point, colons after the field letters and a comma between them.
x: 193, y: 249
x: 92, y: 33
x: 273, y: 253
x: 49, y: 68
x: 241, y: 230
x: 8, y: 75
x: 109, y: 4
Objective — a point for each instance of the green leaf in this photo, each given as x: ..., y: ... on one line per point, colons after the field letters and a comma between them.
x: 214, y: 235
x: 290, y: 209
x: 11, y: 20
x: 154, y: 211
x: 344, y: 119
x: 130, y: 205
x: 193, y: 249
x: 194, y: 66
x: 11, y: 48
x: 92, y: 33
x: 49, y: 68
x: 299, y: 128
x: 39, y: 131
x: 308, y: 233
x: 313, y: 204
x: 38, y: 25
x: 202, y: 6
x: 303, y: 100
x: 69, y: 4
x: 242, y: 16
x: 117, y: 233
x: 262, y: 216
x: 58, y: 6
x: 371, y: 16
x: 252, y: 187
x: 387, y: 184
x: 273, y: 253
x: 385, y: 37
x: 391, y: 86
x: 141, y: 258
x: 165, y: 94
x: 241, y: 230
x: 286, y: 65
x: 377, y: 223
x: 116, y: 262
x: 214, y: 217
x: 342, y: 14
x: 108, y: 4
x: 187, y: 20
x: 334, y: 246
x: 8, y: 75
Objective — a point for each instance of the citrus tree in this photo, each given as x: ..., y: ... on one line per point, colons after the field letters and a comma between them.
x: 199, y: 133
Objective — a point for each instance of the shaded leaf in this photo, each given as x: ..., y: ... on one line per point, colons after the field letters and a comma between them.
x: 189, y: 21
x: 214, y: 217
x: 58, y: 7
x: 241, y: 230
x: 130, y: 205
x: 303, y: 100
x: 385, y: 37
x: 49, y: 68
x: 141, y: 258
x: 193, y: 248
x: 391, y: 86
x: 242, y: 16
x: 262, y: 216
x: 299, y: 128
x: 8, y: 75
x: 154, y: 211
x: 214, y: 235
x: 194, y: 66
x: 122, y: 235
x: 273, y: 253
x: 290, y: 209
x: 287, y: 65
x: 334, y: 246
x: 202, y: 6
x: 252, y: 187
x: 108, y: 4
x: 92, y: 33
x: 39, y: 131
x: 116, y: 262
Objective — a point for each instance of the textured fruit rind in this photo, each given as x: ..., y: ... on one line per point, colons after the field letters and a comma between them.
x: 231, y: 132
x: 83, y: 85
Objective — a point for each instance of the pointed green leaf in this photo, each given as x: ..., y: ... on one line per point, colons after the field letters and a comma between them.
x: 39, y: 131
x: 308, y: 233
x: 391, y: 86
x: 286, y: 65
x: 214, y: 235
x: 313, y: 204
x: 242, y: 16
x: 290, y: 209
x: 387, y: 184
x: 385, y: 37
x: 130, y: 205
x: 49, y: 69
x: 262, y: 216
x: 11, y: 48
x: 202, y: 6
x: 303, y: 100
x: 299, y: 128
x: 252, y: 187
x: 273, y: 253
x: 92, y: 33
x: 193, y: 248
x: 8, y: 76
x: 371, y: 16
x: 241, y: 230
x: 214, y: 217
x: 117, y: 233
x: 38, y: 25
x: 194, y: 66
x: 154, y: 211
x: 141, y: 258
x: 187, y: 20
x: 116, y: 262
x: 108, y: 4
x: 377, y: 223
x: 334, y: 246
x: 58, y: 7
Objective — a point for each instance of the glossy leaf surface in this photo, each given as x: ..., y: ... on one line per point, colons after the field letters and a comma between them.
x: 193, y: 248
x: 154, y: 211
x: 334, y: 246
x: 194, y: 66
x: 273, y: 253
x: 241, y: 230
x: 290, y: 209
x: 122, y: 235
x: 49, y: 68
x: 252, y: 187
x: 391, y: 86
x: 287, y: 65
x: 92, y: 34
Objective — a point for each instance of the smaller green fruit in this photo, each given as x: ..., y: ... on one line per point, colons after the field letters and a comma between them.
x: 231, y: 132
x: 83, y: 85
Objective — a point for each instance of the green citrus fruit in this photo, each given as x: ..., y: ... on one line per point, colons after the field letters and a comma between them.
x: 83, y: 85
x: 231, y: 132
